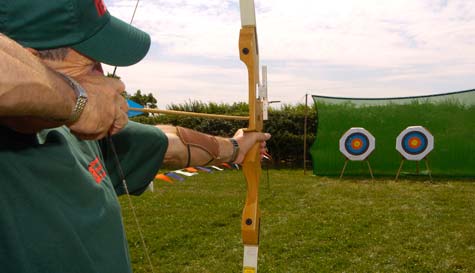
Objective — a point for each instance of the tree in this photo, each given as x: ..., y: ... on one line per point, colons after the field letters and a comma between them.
x: 147, y: 100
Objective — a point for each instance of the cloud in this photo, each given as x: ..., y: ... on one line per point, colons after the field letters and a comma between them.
x: 356, y: 46
x: 174, y: 82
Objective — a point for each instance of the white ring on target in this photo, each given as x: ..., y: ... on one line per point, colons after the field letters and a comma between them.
x: 415, y: 156
x: 371, y: 144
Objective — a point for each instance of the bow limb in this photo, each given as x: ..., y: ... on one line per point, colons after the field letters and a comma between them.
x: 251, y: 166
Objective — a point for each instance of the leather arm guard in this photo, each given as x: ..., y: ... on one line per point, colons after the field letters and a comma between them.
x: 199, y: 140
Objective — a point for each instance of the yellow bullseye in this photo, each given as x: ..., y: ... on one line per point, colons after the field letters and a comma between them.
x: 414, y: 142
x: 356, y: 144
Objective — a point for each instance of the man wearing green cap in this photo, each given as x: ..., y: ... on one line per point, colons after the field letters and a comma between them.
x: 58, y: 204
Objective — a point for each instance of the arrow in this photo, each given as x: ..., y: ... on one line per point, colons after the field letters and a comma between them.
x: 136, y: 109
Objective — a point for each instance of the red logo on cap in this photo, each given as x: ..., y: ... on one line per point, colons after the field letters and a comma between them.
x: 100, y: 7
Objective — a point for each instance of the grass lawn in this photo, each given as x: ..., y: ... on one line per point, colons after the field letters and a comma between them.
x: 309, y: 224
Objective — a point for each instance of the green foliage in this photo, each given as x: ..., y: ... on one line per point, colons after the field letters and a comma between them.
x: 451, y: 123
x: 239, y: 108
x: 146, y: 100
x: 287, y: 128
x: 111, y: 75
x: 285, y: 124
x: 309, y: 224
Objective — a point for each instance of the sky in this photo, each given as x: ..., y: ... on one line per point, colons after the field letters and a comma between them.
x: 355, y: 48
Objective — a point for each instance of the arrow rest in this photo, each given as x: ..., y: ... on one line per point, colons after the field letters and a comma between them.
x: 263, y: 94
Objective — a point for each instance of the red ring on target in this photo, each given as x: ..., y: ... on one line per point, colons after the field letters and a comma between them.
x: 356, y: 144
x: 414, y: 142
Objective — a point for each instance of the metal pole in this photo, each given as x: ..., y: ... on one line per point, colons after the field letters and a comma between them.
x: 305, y: 137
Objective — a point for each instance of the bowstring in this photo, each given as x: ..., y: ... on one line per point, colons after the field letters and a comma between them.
x: 130, y: 23
x: 122, y: 176
x: 124, y: 183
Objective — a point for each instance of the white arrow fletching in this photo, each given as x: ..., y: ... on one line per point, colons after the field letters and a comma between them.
x: 248, y: 13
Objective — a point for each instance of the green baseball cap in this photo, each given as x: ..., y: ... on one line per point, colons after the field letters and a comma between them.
x: 84, y: 25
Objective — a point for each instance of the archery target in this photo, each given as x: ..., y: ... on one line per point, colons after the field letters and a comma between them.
x: 415, y: 143
x: 357, y: 144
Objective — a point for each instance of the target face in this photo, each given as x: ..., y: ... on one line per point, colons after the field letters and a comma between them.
x: 415, y: 143
x: 357, y: 144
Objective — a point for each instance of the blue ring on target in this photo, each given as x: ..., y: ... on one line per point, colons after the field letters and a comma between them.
x: 356, y: 144
x: 414, y: 142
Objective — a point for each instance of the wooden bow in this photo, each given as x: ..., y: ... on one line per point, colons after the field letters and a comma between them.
x: 249, y: 54
x: 251, y: 166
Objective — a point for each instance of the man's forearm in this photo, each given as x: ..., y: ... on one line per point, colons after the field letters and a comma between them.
x: 30, y: 89
x: 178, y: 155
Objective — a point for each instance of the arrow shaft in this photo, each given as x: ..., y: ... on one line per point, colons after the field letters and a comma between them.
x: 192, y: 114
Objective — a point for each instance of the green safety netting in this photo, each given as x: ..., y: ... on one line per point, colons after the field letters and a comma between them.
x: 450, y: 118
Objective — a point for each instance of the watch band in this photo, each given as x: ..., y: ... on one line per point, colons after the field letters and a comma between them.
x: 235, y: 149
x: 81, y: 99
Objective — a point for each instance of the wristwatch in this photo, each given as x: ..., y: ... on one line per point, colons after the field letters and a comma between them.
x: 235, y: 149
x: 81, y: 99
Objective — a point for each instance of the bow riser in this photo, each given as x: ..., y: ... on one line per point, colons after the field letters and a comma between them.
x: 249, y: 55
x: 251, y: 164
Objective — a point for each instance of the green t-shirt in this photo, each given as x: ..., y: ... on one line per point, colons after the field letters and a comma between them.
x: 58, y: 198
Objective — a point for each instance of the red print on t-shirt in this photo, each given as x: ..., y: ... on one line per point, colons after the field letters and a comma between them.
x: 100, y: 7
x: 97, y: 171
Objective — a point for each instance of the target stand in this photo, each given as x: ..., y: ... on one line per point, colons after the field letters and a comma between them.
x: 414, y: 144
x: 357, y: 144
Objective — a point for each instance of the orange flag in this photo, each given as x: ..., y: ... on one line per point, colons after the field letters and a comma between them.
x: 191, y: 170
x: 226, y: 165
x: 163, y: 177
